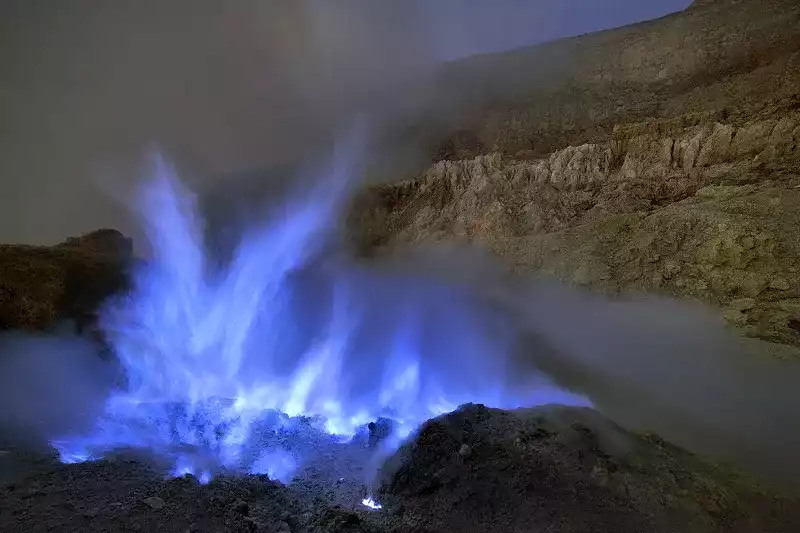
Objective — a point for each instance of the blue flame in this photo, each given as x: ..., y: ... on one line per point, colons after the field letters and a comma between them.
x: 371, y: 503
x: 235, y: 368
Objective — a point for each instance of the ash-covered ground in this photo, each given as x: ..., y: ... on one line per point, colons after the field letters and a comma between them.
x: 550, y: 468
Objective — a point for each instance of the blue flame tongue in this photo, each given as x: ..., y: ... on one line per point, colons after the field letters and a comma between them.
x: 371, y: 503
x: 227, y: 371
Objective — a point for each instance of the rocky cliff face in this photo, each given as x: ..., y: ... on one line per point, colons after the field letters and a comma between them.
x: 700, y: 199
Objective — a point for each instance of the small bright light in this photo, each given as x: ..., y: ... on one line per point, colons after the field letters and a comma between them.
x: 372, y: 504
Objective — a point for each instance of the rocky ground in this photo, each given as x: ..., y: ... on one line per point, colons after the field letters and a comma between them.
x: 474, y: 470
x: 659, y: 158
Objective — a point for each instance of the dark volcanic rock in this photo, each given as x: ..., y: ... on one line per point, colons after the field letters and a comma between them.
x: 565, y: 469
x: 41, y: 286
x: 545, y: 469
x: 128, y: 496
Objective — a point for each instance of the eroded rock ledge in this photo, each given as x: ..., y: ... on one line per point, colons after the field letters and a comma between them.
x: 694, y: 207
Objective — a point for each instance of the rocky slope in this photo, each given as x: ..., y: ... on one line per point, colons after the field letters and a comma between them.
x: 718, y: 54
x: 700, y: 199
x: 474, y: 470
x: 566, y: 469
x: 40, y: 286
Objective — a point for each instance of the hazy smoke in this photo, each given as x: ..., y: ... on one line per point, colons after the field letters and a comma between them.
x: 649, y: 363
x: 672, y: 368
x: 226, y: 86
x: 50, y: 385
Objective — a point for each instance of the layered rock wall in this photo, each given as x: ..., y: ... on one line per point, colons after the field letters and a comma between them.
x: 695, y: 207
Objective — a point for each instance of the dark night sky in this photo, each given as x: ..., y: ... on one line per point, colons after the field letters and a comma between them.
x: 88, y: 85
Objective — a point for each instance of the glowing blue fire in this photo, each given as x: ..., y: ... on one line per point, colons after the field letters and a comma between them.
x: 235, y: 368
x: 372, y: 504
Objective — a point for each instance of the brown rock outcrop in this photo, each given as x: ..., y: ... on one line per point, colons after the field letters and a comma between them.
x: 41, y: 286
